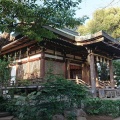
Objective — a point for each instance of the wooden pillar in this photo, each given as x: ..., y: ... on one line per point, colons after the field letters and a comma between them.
x: 111, y: 74
x: 68, y: 69
x: 65, y: 65
x: 85, y: 73
x: 17, y: 65
x: 65, y: 68
x: 28, y: 68
x: 28, y: 65
x: 42, y: 64
x: 92, y: 74
x: 96, y: 75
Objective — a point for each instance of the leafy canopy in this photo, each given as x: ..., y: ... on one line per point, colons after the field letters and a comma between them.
x: 103, y: 19
x: 29, y: 16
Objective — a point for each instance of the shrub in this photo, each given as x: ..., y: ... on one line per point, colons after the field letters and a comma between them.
x: 102, y: 107
x: 3, y: 104
x: 53, y: 98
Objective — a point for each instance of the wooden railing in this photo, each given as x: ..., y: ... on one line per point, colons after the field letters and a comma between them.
x: 80, y: 81
x: 103, y: 91
x: 25, y: 82
x: 103, y: 84
x: 38, y: 81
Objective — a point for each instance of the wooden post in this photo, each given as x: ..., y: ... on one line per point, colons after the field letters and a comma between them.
x: 85, y: 73
x: 42, y: 64
x: 28, y: 65
x: 65, y: 68
x: 65, y: 65
x: 111, y: 74
x: 92, y: 73
x: 17, y: 65
x: 68, y: 69
x: 96, y: 75
x: 77, y: 80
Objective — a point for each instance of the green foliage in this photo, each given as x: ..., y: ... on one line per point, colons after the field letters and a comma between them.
x: 102, y: 107
x: 103, y: 72
x: 116, y: 64
x: 3, y: 104
x: 10, y: 106
x: 103, y: 19
x: 29, y: 16
x: 24, y: 82
x: 4, y: 71
x: 53, y: 98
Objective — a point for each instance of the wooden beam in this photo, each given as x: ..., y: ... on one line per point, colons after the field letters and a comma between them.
x: 90, y: 42
x: 17, y: 47
x: 110, y: 45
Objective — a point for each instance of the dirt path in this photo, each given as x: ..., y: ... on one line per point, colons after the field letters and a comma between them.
x: 117, y: 118
x: 100, y: 118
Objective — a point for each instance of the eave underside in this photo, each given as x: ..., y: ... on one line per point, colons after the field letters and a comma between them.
x: 60, y: 45
x: 102, y: 45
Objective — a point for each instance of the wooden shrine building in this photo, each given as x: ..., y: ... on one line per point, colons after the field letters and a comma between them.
x: 70, y: 55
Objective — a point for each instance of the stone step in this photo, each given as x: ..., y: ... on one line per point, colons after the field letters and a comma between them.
x: 7, y: 118
x: 14, y: 119
x: 4, y: 114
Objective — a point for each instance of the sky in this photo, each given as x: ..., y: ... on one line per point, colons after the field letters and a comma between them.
x: 89, y: 6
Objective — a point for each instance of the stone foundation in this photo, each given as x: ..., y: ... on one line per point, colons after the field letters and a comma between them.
x: 79, y: 114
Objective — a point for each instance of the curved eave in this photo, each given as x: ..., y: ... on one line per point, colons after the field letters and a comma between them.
x: 101, y: 43
x: 62, y: 33
x: 15, y: 45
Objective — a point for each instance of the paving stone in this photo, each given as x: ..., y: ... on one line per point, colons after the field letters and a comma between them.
x: 14, y: 118
x: 4, y: 114
x: 117, y: 118
x: 7, y: 118
x: 81, y: 118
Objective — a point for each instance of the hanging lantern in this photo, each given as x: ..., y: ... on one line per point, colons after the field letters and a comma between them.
x: 20, y: 54
x: 15, y: 56
x: 104, y: 61
x: 8, y: 56
x: 107, y: 62
x: 97, y: 59
x: 101, y: 59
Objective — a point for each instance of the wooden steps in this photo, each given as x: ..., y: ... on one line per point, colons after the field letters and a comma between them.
x: 5, y: 116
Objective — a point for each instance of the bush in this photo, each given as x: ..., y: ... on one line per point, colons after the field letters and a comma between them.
x: 102, y: 107
x: 3, y: 104
x: 53, y: 98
